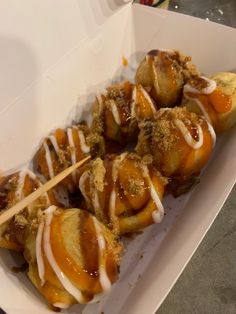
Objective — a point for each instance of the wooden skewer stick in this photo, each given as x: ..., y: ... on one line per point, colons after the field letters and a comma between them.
x: 9, y: 213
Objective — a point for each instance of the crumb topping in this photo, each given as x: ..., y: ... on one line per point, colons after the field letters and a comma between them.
x: 161, y: 134
x: 99, y: 172
x: 135, y: 187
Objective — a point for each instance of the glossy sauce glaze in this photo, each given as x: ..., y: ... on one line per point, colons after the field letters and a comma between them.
x: 209, y: 99
x: 186, y: 145
x: 130, y: 197
x: 164, y: 76
x: 142, y: 106
x: 97, y: 268
x: 195, y: 144
x: 61, y: 149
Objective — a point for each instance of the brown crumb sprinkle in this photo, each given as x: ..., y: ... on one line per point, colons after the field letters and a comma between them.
x: 99, y: 172
x: 135, y: 187
x: 164, y: 134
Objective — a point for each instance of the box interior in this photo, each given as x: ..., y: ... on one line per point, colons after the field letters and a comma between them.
x: 52, y: 67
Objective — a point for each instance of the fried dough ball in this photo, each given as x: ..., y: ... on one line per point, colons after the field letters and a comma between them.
x: 117, y: 113
x: 124, y: 192
x: 180, y: 142
x: 13, y: 188
x: 163, y: 74
x: 213, y: 97
x: 72, y: 256
x: 65, y: 147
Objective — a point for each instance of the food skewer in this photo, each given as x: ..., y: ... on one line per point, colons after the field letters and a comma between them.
x: 9, y: 213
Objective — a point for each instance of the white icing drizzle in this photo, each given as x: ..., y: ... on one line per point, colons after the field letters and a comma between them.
x: 134, y: 100
x: 212, y: 132
x: 207, y: 90
x: 187, y: 135
x: 146, y: 95
x: 201, y: 107
x: 39, y: 257
x: 76, y: 293
x: 72, y: 150
x: 61, y: 305
x: 103, y: 277
x: 72, y: 145
x: 48, y: 159
x: 115, y: 112
x: 21, y: 182
x: 84, y: 147
x: 157, y: 214
x: 112, y: 204
x: 53, y: 140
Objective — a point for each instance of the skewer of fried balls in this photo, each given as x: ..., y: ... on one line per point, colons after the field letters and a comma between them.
x: 170, y: 114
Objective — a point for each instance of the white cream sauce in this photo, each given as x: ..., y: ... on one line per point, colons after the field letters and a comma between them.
x: 84, y: 147
x: 158, y: 214
x: 72, y: 150
x: 148, y: 98
x: 112, y: 204
x: 21, y: 182
x: 48, y: 159
x: 53, y: 140
x: 39, y: 256
x: 76, y: 293
x: 133, y: 104
x: 72, y: 145
x: 103, y: 277
x: 206, y: 91
x: 135, y: 101
x: 187, y: 135
x: 115, y: 112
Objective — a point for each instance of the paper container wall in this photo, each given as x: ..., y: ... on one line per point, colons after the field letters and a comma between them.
x: 55, y: 57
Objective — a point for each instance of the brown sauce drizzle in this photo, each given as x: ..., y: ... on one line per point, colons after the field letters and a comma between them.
x: 167, y: 63
x: 76, y: 273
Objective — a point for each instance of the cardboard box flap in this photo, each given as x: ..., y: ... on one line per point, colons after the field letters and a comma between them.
x: 47, y: 62
x: 35, y: 34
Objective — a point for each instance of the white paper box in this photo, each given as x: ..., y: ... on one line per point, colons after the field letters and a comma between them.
x: 54, y: 56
